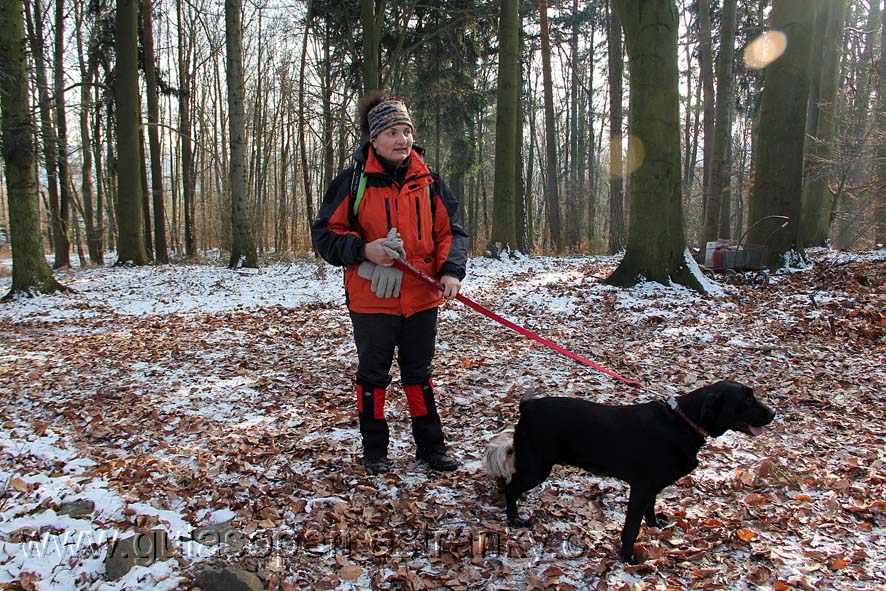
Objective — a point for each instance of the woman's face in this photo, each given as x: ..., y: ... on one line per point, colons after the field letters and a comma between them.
x: 394, y: 143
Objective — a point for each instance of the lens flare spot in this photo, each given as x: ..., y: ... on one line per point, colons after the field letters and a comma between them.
x: 765, y: 49
x: 630, y: 160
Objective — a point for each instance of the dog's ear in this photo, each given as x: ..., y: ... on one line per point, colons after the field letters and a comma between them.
x: 711, y: 409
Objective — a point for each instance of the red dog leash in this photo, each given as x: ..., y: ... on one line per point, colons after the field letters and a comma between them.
x: 412, y: 270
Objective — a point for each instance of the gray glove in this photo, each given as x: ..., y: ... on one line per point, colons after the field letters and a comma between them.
x: 393, y: 245
x: 386, y: 281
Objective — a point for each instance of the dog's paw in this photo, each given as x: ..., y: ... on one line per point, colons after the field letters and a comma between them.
x: 658, y: 520
x: 518, y: 522
x: 631, y: 559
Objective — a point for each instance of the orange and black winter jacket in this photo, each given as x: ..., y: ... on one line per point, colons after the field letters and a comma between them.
x: 431, y: 229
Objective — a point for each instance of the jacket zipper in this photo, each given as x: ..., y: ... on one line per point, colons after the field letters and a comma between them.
x: 418, y: 215
x: 388, y: 211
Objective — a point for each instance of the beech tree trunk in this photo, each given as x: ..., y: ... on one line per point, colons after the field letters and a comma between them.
x: 130, y: 227
x: 504, y: 234
x: 656, y: 249
x: 778, y: 174
x: 243, y: 252
x: 30, y: 272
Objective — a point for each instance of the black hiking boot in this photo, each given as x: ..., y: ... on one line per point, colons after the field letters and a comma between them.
x: 377, y: 465
x: 438, y: 460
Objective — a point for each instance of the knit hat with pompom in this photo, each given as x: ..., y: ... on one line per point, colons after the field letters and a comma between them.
x: 386, y: 114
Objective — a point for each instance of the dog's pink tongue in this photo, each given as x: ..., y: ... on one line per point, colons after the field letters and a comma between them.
x: 755, y: 431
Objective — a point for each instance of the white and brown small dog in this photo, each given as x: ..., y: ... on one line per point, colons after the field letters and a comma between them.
x: 499, y: 460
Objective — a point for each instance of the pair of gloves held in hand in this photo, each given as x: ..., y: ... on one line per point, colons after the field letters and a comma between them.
x: 385, y: 281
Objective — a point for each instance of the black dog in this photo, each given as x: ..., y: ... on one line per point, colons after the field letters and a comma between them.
x: 650, y: 446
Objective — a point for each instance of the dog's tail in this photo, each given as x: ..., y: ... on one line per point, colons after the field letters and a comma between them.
x: 499, y: 460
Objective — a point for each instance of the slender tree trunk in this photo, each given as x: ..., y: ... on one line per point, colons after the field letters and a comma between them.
x: 329, y: 168
x: 161, y: 252
x: 522, y: 207
x: 687, y: 126
x: 817, y: 203
x: 740, y: 182
x: 87, y: 75
x: 591, y: 154
x: 656, y: 249
x: 778, y: 175
x: 184, y: 116
x: 131, y: 234
x: 78, y: 244
x: 533, y: 229
x: 100, y: 192
x: 848, y: 227
x: 880, y: 199
x: 111, y: 177
x: 552, y: 191
x: 243, y: 253
x: 457, y: 114
x: 726, y: 204
x: 63, y: 254
x: 574, y: 201
x: 504, y: 235
x: 719, y: 176
x: 617, y: 238
x: 372, y: 14
x: 47, y: 129
x: 222, y: 169
x: 146, y: 200
x: 302, y: 144
x: 30, y: 273
x: 707, y: 83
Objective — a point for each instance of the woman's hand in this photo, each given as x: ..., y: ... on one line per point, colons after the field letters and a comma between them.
x: 374, y: 252
x: 451, y: 286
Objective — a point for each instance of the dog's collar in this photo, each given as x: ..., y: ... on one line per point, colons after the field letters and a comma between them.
x: 672, y: 404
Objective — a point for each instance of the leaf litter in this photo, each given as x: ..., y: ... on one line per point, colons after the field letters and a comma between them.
x: 217, y: 407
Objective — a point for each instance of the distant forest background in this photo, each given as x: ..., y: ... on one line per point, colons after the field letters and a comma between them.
x: 167, y: 67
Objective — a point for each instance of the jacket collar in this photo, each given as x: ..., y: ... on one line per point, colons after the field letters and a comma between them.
x: 417, y: 167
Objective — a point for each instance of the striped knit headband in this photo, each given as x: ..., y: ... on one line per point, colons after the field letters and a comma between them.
x: 385, y: 114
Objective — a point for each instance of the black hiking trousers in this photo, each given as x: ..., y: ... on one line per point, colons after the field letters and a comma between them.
x: 377, y: 337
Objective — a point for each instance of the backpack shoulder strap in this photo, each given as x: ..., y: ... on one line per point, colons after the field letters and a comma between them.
x: 358, y: 185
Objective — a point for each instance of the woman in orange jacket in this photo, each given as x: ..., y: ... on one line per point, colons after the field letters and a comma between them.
x: 389, y: 205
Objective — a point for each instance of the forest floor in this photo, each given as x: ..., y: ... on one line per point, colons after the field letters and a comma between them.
x: 216, y: 407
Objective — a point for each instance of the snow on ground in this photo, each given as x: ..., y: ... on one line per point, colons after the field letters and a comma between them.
x: 43, y: 466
